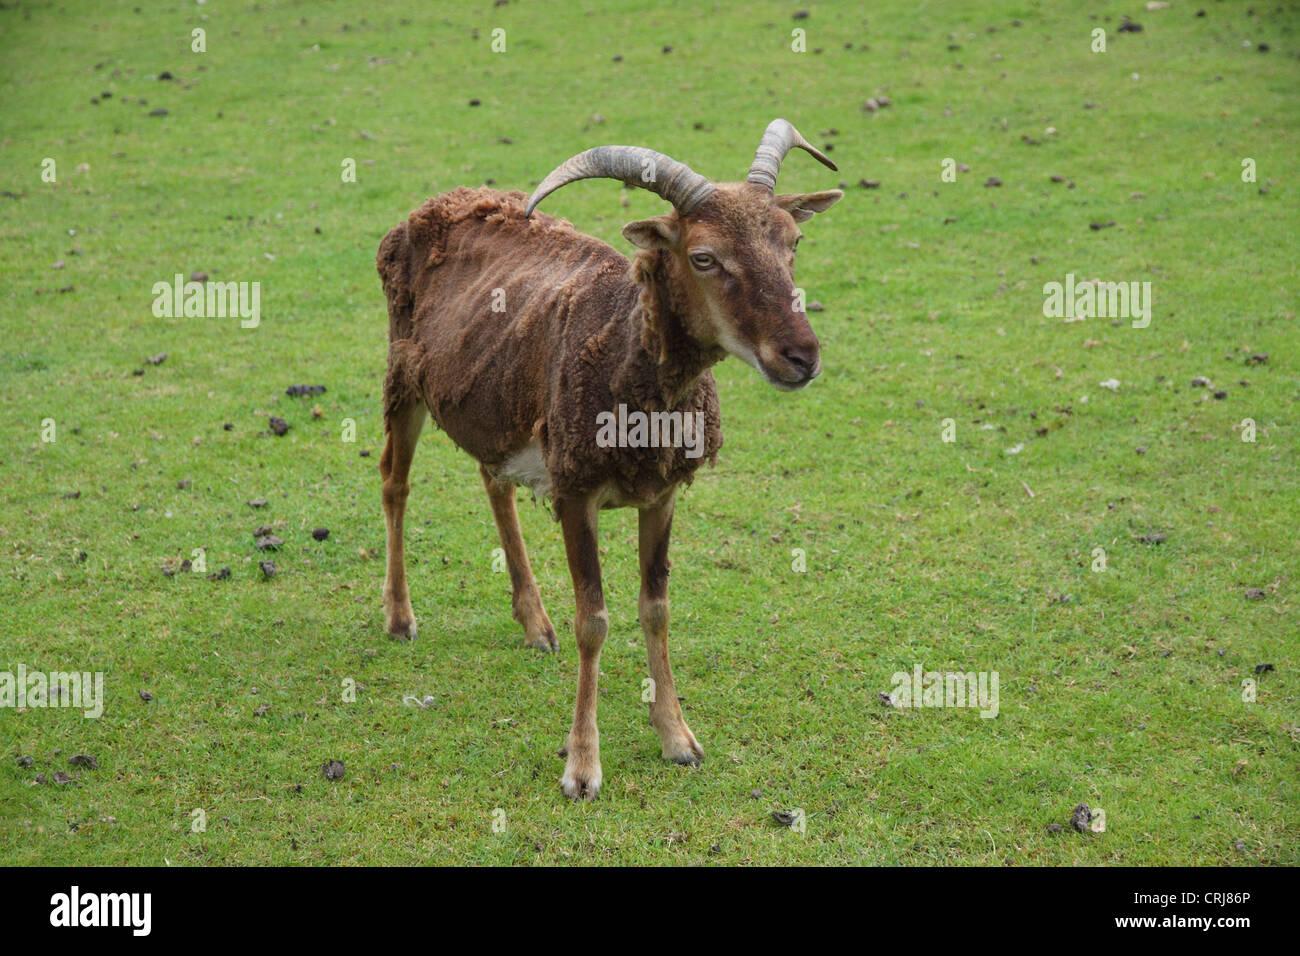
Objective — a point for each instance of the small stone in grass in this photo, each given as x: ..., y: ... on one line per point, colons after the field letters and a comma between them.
x: 61, y: 778
x: 1264, y: 668
x: 320, y: 534
x: 261, y: 710
x: 26, y: 760
x: 221, y: 575
x: 198, y: 276
x: 262, y: 529
x: 364, y: 453
x: 257, y: 503
x: 84, y: 760
x: 157, y: 359
x: 269, y: 542
x: 146, y: 696
x: 1081, y: 819
x: 993, y: 181
x: 279, y: 425
x: 334, y: 770
x: 184, y: 484
x: 268, y: 568
x: 1155, y: 537
x: 786, y: 818
x: 1054, y: 828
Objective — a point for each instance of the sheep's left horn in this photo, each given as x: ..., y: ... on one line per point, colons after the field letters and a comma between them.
x: 634, y: 165
x: 778, y: 139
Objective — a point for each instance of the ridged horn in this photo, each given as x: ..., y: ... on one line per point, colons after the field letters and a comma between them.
x: 778, y: 139
x: 634, y: 165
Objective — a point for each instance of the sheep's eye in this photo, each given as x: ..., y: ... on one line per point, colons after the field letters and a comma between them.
x: 702, y: 261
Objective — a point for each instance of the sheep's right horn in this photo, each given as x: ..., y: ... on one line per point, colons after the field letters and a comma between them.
x: 778, y: 139
x: 634, y: 165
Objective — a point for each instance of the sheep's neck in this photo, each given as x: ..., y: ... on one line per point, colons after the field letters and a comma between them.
x: 675, y: 366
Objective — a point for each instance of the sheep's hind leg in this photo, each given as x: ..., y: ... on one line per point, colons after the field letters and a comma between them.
x: 582, y: 776
x: 403, y: 424
x: 526, y: 602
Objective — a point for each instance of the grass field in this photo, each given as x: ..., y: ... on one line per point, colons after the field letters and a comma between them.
x: 1120, y: 688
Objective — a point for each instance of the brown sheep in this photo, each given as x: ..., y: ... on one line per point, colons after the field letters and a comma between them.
x: 526, y: 340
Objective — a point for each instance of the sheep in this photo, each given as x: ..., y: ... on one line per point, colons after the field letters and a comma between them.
x: 521, y: 336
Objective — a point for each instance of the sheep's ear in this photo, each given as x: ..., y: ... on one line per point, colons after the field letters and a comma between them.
x: 804, y: 205
x: 659, y: 232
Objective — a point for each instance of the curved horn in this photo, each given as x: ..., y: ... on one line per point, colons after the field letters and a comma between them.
x: 778, y: 139
x: 634, y: 165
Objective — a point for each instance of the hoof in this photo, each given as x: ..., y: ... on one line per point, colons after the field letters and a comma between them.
x: 688, y: 758
x: 680, y: 746
x: 581, y: 780
x: 402, y: 627
x: 581, y: 788
x: 544, y: 641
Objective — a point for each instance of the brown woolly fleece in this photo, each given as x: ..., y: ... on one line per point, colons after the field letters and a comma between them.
x: 583, y: 330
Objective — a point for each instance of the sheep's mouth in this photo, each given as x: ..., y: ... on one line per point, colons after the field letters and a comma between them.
x: 787, y: 376
x: 789, y: 368
x: 792, y: 381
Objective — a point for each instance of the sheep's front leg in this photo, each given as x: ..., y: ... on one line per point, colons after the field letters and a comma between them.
x: 577, y: 516
x: 679, y: 744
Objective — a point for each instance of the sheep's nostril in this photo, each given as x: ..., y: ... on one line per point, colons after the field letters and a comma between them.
x: 800, y: 359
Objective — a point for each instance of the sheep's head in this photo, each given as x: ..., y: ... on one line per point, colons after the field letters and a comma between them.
x: 730, y: 246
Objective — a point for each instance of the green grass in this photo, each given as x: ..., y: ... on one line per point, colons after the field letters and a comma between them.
x: 1126, y: 695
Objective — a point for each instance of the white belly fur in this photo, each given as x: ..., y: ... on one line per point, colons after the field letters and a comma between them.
x: 527, y: 467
